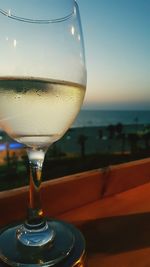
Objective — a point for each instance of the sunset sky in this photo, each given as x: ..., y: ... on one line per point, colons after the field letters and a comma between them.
x: 117, y: 46
x: 117, y: 42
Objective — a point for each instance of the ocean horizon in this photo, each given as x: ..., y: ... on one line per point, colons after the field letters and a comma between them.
x: 89, y: 117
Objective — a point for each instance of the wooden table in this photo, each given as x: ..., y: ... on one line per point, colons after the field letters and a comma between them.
x: 111, y: 207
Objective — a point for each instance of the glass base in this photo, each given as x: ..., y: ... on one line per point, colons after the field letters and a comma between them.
x: 67, y: 248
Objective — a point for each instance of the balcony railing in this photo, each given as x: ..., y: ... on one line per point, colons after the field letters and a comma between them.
x: 111, y: 207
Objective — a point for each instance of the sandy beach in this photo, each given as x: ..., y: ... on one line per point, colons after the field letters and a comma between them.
x: 98, y: 140
x: 80, y: 149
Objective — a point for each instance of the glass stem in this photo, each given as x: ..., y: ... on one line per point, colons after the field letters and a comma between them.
x: 35, y: 212
x: 35, y: 232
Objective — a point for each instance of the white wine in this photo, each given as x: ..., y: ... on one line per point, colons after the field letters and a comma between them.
x: 37, y: 112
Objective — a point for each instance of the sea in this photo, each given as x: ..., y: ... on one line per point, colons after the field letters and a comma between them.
x: 88, y: 118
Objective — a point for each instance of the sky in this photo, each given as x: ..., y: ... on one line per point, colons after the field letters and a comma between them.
x: 117, y: 46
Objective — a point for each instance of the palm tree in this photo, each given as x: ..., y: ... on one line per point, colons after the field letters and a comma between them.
x: 119, y: 129
x: 81, y: 141
x: 121, y: 135
x: 111, y: 130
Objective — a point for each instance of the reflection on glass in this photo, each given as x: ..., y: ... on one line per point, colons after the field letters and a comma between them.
x: 42, y: 87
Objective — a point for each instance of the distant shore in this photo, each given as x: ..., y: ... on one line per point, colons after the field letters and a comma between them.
x: 90, y: 118
x: 98, y: 139
x: 93, y: 139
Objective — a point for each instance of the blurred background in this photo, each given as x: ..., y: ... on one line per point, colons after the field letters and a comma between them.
x: 114, y: 123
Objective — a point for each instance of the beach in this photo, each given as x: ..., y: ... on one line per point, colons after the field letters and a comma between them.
x: 99, y: 139
x: 80, y: 149
x: 96, y: 128
x: 96, y: 132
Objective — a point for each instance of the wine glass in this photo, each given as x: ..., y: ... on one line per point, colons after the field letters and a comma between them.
x: 42, y: 86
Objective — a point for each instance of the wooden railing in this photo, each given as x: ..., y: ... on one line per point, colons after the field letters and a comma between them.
x: 111, y: 206
x: 67, y: 193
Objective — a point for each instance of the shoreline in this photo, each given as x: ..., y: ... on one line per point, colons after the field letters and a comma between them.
x: 97, y: 139
x: 92, y: 139
x: 107, y: 117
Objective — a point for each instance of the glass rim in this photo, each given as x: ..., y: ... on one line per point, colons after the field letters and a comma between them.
x: 39, y: 21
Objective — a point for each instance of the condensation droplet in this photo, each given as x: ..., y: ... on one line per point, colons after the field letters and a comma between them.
x: 38, y: 92
x: 18, y: 96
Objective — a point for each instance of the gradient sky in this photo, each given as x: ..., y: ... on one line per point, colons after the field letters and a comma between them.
x: 117, y: 46
x: 117, y: 42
